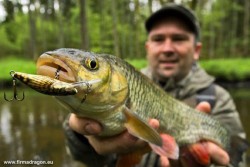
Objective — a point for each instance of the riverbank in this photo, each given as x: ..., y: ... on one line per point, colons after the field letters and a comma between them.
x: 228, y: 72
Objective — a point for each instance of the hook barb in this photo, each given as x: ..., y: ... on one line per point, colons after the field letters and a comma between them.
x: 15, y: 95
x: 5, y: 98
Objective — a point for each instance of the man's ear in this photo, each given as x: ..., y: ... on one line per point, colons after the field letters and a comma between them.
x: 197, y: 50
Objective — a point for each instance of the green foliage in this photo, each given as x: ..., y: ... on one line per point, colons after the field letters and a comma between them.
x: 228, y: 69
x: 225, y: 69
x: 137, y: 63
x: 6, y: 46
x: 14, y: 36
x: 224, y: 29
x: 221, y: 22
x: 16, y: 64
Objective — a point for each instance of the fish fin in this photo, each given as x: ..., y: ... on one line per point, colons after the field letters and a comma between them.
x: 200, y: 153
x: 169, y: 147
x: 194, y: 155
x: 238, y: 146
x: 132, y: 159
x: 140, y: 129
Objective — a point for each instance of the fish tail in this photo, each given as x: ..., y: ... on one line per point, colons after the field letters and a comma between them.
x: 195, y: 155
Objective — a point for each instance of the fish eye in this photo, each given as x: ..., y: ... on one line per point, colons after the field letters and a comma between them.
x: 92, y: 64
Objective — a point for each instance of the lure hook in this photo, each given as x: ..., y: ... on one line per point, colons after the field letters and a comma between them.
x: 15, y: 94
x: 88, y: 91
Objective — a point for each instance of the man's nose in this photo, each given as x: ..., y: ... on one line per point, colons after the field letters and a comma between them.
x: 168, y: 46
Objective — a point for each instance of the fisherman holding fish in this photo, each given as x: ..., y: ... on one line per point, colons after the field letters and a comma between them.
x: 173, y: 49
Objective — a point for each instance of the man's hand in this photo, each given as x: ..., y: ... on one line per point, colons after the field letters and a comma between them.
x: 125, y: 142
x: 122, y: 143
x: 217, y: 155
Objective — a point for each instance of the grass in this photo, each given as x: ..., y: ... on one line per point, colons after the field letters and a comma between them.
x: 223, y: 69
x: 226, y: 69
x: 16, y: 64
x: 138, y: 63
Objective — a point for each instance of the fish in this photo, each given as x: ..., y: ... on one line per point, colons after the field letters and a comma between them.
x: 111, y: 91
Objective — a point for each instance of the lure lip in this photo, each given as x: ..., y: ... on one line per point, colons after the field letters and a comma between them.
x: 49, y: 65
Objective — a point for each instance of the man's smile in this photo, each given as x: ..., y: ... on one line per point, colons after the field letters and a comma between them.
x: 168, y: 63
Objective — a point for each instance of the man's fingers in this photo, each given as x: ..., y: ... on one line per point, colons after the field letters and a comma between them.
x: 154, y: 123
x: 164, y: 161
x: 204, y: 107
x: 206, y: 151
x: 218, y: 156
x: 122, y: 143
x: 84, y: 126
x: 200, y: 153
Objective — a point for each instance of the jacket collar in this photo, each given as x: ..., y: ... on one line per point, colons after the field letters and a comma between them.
x: 195, y: 80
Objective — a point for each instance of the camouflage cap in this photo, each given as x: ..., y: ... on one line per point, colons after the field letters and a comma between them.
x: 177, y: 11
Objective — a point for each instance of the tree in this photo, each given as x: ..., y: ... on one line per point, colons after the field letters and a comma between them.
x: 32, y: 26
x: 83, y: 23
x: 9, y: 8
x: 115, y: 31
x: 246, y: 25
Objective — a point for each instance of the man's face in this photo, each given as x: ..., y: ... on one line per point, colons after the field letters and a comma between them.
x: 171, y: 49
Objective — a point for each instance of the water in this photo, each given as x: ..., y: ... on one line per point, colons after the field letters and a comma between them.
x: 32, y: 129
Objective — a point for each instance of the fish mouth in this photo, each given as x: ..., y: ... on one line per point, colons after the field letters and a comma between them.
x: 54, y: 67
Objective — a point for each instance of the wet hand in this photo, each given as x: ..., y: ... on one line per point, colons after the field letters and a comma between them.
x: 122, y: 143
x: 84, y: 126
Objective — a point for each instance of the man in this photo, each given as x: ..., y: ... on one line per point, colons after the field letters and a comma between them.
x: 173, y: 48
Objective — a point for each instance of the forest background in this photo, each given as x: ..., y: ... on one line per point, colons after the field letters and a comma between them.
x: 31, y: 27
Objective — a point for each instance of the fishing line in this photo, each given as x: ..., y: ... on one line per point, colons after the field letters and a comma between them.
x: 79, y: 85
x: 57, y: 73
x: 89, y: 85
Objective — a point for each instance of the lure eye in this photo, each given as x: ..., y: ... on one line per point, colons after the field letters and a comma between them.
x: 92, y: 64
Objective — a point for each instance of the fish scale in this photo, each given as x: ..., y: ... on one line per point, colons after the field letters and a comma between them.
x: 176, y: 120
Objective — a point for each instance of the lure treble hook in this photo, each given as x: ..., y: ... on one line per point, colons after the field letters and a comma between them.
x: 15, y: 94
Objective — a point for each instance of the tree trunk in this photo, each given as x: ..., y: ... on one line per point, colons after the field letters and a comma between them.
x: 233, y: 37
x: 32, y: 27
x: 115, y: 32
x: 102, y: 23
x: 61, y: 39
x: 136, y: 29
x: 246, y: 28
x: 194, y: 4
x: 83, y: 22
x: 150, y: 4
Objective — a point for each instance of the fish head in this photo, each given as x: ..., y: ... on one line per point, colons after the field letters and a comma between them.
x: 99, y: 84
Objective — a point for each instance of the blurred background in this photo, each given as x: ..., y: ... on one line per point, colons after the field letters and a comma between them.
x: 32, y: 129
x: 30, y: 27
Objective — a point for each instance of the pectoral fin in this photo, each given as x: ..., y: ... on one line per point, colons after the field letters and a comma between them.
x: 169, y: 147
x: 142, y: 130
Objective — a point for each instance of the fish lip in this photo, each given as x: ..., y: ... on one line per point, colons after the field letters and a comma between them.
x: 48, y: 65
